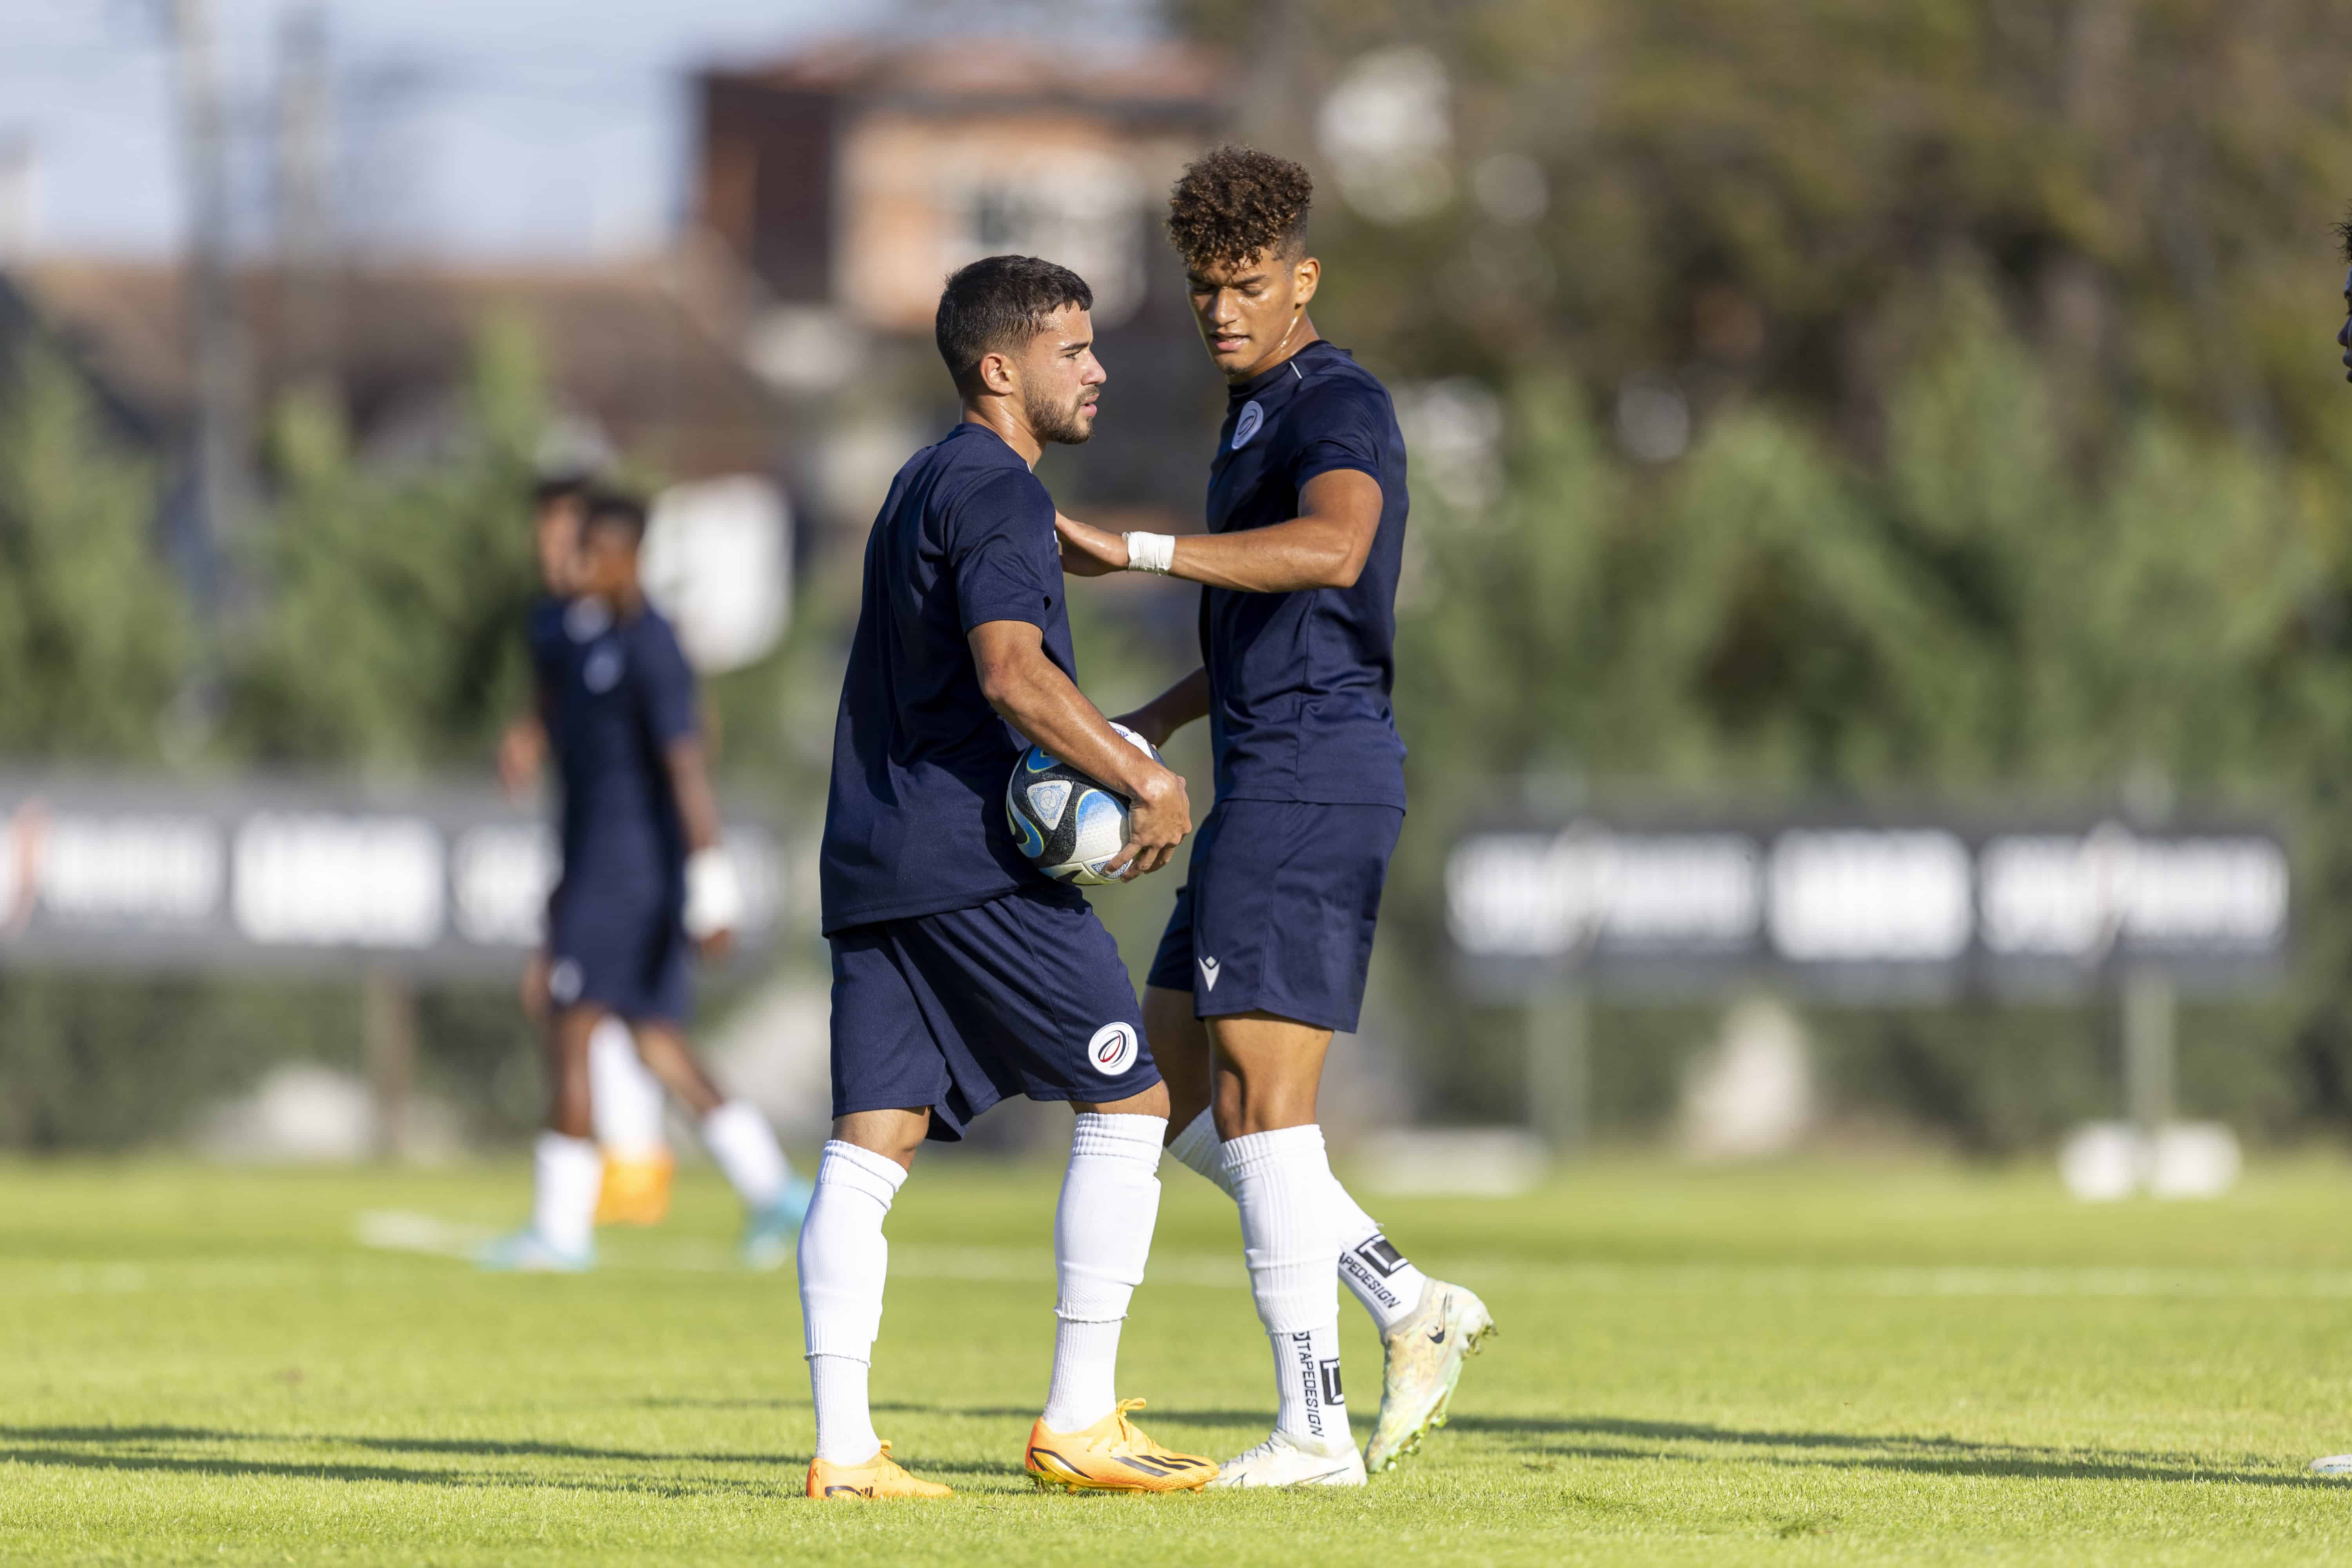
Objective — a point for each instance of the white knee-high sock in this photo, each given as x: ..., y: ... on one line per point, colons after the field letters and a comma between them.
x: 744, y: 1145
x: 1375, y: 1273
x: 566, y: 1173
x: 844, y: 1262
x: 1102, y: 1236
x: 623, y: 1096
x: 1380, y: 1277
x: 1282, y: 1182
x: 1198, y: 1147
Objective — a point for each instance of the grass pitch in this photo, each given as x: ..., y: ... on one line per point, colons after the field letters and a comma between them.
x: 1803, y: 1364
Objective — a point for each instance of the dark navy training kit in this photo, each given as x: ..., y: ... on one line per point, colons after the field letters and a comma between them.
x: 1284, y: 886
x: 961, y: 972
x: 616, y: 694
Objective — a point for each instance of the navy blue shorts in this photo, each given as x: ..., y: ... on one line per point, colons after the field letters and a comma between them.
x: 1023, y: 994
x: 1277, y: 912
x: 623, y: 949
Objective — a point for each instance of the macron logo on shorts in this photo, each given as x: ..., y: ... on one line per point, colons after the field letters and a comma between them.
x: 1209, y: 973
x: 1113, y: 1049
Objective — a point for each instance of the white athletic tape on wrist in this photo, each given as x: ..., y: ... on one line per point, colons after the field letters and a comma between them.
x: 1150, y: 551
x: 714, y: 896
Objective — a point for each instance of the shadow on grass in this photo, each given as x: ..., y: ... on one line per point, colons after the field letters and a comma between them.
x: 1587, y: 1437
x: 135, y: 1448
x: 1951, y: 1456
x: 1568, y: 1437
x: 1942, y: 1455
x: 98, y: 1460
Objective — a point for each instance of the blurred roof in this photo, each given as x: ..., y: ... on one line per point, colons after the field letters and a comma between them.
x: 621, y: 344
x: 988, y: 74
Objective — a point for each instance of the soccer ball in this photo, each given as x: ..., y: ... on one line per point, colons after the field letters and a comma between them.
x: 1067, y: 824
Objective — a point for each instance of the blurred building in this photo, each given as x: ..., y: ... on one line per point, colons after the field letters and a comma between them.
x: 393, y: 344
x: 785, y: 335
x: 630, y: 367
x: 840, y: 185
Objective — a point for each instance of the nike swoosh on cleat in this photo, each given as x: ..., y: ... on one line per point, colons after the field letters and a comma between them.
x: 1437, y: 1336
x: 853, y: 1491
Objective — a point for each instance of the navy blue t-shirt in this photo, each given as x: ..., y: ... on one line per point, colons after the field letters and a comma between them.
x: 616, y: 694
x: 1299, y: 682
x: 915, y: 823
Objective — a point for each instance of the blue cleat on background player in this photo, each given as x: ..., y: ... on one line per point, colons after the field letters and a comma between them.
x: 525, y: 1251
x: 769, y: 1233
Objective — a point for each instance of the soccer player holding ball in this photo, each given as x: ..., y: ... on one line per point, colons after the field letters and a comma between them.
x: 1267, y: 952
x: 963, y: 973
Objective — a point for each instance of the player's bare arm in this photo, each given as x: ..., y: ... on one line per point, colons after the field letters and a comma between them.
x: 522, y: 748
x: 1324, y: 547
x: 1036, y: 699
x: 1173, y: 708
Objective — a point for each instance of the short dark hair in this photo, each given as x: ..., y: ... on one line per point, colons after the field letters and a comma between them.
x: 1235, y: 203
x: 999, y: 303
x: 614, y: 510
x: 554, y: 488
x: 2342, y: 232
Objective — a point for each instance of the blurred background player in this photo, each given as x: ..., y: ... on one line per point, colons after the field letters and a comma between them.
x: 645, y: 881
x: 1268, y: 947
x: 625, y: 1097
x: 961, y: 973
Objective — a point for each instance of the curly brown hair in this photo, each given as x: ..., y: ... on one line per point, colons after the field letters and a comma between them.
x: 1235, y: 203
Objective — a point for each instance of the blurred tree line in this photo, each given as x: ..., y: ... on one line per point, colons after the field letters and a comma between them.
x: 1930, y: 400
x: 375, y: 629
x: 372, y: 629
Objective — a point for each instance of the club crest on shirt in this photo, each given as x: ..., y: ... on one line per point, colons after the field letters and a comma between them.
x: 1253, y: 419
x: 601, y: 672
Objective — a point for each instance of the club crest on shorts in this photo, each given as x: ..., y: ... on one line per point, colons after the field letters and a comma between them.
x: 1253, y: 419
x: 564, y: 980
x: 1113, y: 1049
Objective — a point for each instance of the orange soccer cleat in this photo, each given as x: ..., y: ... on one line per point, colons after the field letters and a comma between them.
x: 1112, y: 1456
x: 879, y: 1479
x: 635, y: 1192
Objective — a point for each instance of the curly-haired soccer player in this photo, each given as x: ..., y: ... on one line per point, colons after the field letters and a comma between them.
x: 1266, y: 954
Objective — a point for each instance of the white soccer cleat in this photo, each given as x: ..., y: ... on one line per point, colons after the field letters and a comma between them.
x: 2333, y: 1465
x: 1424, y: 1357
x: 1280, y: 1462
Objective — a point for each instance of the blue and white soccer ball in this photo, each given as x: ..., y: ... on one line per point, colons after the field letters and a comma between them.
x: 1069, y: 825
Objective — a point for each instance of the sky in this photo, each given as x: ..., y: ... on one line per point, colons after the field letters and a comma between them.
x: 475, y: 128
